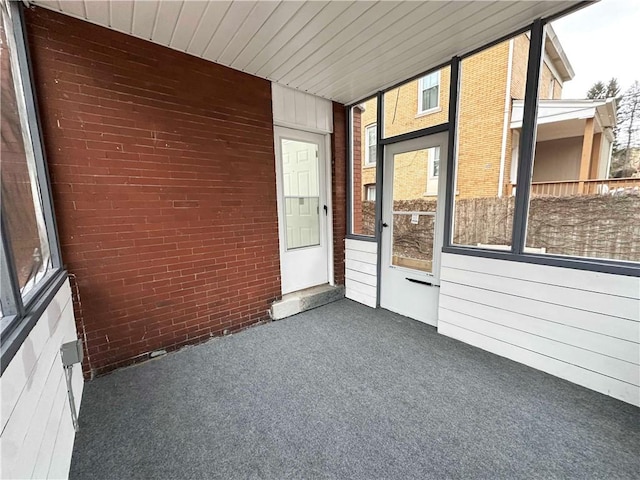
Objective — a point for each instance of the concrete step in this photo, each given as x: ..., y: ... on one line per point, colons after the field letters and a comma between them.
x: 302, y: 300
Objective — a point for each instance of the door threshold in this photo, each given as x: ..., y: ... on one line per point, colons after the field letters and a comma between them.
x: 303, y: 300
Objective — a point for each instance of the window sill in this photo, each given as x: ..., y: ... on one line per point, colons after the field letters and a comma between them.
x: 428, y: 112
x: 369, y: 165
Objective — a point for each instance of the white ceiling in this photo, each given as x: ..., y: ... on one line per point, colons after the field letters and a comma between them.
x: 339, y: 50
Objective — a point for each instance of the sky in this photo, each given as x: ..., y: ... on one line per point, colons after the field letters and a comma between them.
x: 601, y: 41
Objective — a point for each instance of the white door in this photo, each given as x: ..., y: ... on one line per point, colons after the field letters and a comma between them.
x: 412, y: 233
x: 302, y: 209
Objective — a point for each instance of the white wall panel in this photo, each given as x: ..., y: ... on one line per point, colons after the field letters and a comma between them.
x: 581, y: 326
x: 144, y: 17
x: 37, y: 432
x: 361, y: 271
x: 295, y: 109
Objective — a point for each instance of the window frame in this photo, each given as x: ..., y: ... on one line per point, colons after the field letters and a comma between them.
x: 20, y: 314
x: 525, y: 149
x: 367, y: 189
x: 421, y: 89
x: 367, y: 154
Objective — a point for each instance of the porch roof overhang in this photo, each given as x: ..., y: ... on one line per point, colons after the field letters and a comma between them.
x: 566, y: 118
x: 342, y: 51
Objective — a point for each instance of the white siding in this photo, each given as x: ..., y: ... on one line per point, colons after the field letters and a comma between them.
x: 578, y: 325
x: 295, y: 109
x: 37, y: 432
x: 360, y: 271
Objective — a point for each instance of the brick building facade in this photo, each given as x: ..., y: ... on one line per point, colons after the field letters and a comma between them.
x: 483, y: 150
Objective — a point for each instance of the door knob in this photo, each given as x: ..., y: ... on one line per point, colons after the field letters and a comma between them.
x: 384, y: 225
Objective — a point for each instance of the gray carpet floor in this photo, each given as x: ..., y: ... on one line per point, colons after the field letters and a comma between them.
x: 344, y: 391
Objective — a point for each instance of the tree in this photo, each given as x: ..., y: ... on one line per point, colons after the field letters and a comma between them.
x: 627, y: 130
x: 600, y: 90
x: 596, y: 91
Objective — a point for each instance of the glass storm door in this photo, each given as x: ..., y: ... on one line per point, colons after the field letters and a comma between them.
x: 302, y: 209
x: 412, y: 233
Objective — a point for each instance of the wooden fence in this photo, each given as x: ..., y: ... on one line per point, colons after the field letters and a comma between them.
x: 594, y: 226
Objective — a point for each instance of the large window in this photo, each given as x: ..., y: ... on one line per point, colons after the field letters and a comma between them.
x: 364, y: 151
x: 429, y: 92
x: 483, y: 197
x: 30, y: 259
x: 585, y: 180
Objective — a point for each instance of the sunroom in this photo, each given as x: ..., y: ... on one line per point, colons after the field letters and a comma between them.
x: 176, y: 171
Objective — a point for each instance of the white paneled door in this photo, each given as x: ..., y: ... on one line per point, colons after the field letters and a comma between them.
x: 412, y: 233
x: 302, y: 209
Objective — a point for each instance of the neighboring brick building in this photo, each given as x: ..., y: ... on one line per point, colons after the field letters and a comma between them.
x: 491, y: 82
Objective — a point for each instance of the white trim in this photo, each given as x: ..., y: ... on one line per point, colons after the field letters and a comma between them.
x: 554, y: 72
x: 326, y: 227
x: 515, y: 147
x: 329, y: 191
x: 421, y: 110
x: 367, y: 188
x: 505, y: 124
x: 295, y: 126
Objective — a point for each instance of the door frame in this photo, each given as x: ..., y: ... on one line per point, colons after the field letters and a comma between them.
x: 324, y: 148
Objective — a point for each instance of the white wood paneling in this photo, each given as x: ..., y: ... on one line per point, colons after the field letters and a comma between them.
x: 343, y: 51
x: 610, y: 305
x: 330, y: 15
x: 618, y: 285
x: 190, y: 16
x: 576, y: 374
x: 121, y: 15
x: 295, y: 109
x: 234, y: 18
x: 166, y: 21
x: 581, y: 326
x: 144, y: 18
x: 246, y: 31
x: 37, y: 432
x: 361, y: 271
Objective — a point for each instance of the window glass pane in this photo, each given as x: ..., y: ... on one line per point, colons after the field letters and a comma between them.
x: 413, y: 229
x: 21, y: 203
x: 405, y: 106
x: 585, y: 191
x: 301, y: 174
x: 363, y: 167
x: 371, y: 145
x: 491, y: 82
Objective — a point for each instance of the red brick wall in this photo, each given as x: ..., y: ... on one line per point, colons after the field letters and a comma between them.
x: 358, y: 192
x: 339, y: 189
x: 164, y: 186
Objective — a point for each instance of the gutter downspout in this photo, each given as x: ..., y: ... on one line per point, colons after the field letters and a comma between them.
x: 505, y: 127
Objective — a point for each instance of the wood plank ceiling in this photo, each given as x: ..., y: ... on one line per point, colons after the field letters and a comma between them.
x: 340, y: 50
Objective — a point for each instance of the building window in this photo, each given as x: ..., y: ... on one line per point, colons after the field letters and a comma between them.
x: 429, y: 92
x: 370, y: 192
x: 434, y: 161
x: 370, y: 151
x: 433, y: 170
x: 28, y: 252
